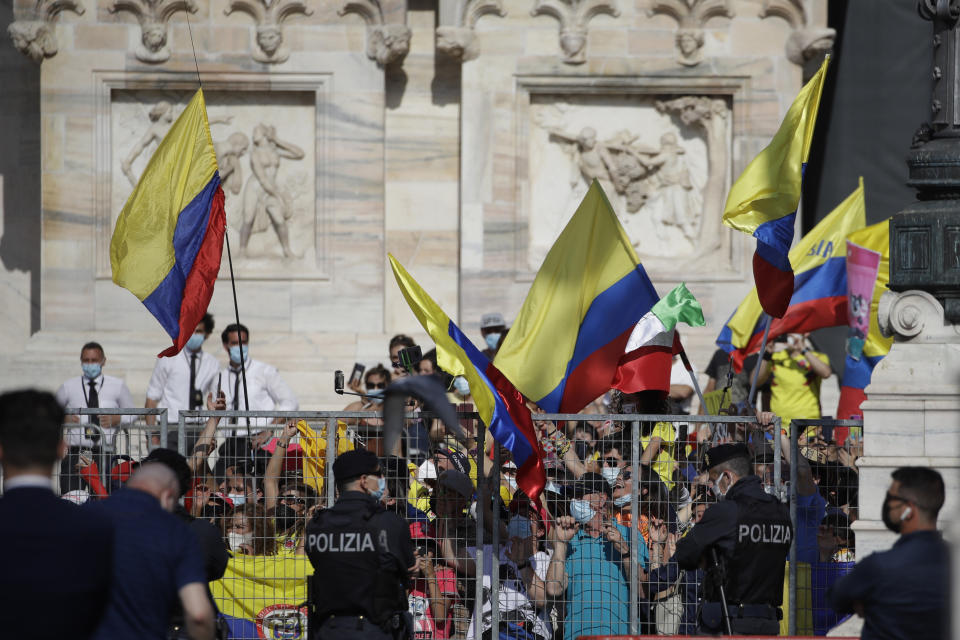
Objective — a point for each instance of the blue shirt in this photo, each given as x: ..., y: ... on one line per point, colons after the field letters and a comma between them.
x: 155, y: 554
x: 597, y: 587
x: 904, y: 591
x: 810, y: 512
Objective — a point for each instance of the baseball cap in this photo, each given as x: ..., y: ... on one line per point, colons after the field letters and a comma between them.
x: 490, y: 320
x: 458, y: 481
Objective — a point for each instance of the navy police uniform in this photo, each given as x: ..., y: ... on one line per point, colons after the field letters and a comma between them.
x: 751, y: 532
x: 361, y: 554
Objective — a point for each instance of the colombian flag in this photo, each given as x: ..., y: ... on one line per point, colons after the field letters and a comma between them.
x: 500, y: 405
x: 764, y: 199
x: 868, y: 272
x: 167, y: 244
x: 315, y: 452
x: 564, y: 348
x: 264, y: 596
x: 820, y: 287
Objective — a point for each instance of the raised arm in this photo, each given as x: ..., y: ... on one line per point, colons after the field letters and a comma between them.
x: 271, y: 476
x: 207, y: 441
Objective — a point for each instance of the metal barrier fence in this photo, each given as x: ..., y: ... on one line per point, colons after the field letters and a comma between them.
x: 260, y: 477
x: 824, y: 488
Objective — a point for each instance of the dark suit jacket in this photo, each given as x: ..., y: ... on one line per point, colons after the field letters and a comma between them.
x: 55, y: 566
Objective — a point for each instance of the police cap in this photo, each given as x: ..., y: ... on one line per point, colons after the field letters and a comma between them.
x: 352, y: 464
x: 723, y: 453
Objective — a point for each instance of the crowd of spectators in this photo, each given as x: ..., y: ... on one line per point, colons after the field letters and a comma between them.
x: 563, y: 563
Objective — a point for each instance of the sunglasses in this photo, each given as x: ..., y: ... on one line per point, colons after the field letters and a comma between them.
x: 293, y: 500
x: 376, y: 385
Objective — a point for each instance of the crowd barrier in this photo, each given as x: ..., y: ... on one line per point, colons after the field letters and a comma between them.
x: 261, y: 494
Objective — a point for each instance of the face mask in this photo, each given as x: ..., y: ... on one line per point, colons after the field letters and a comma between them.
x: 716, y: 488
x: 610, y: 474
x: 581, y: 511
x: 375, y: 396
x: 91, y: 370
x: 512, y: 483
x: 493, y: 339
x: 195, y: 342
x: 582, y: 448
x: 623, y: 500
x: 237, y: 539
x: 552, y: 487
x: 381, y: 488
x: 461, y: 385
x: 285, y: 517
x: 237, y: 498
x: 519, y: 527
x: 235, y: 353
x: 887, y: 519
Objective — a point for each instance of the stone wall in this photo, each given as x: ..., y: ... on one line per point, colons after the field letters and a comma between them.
x: 454, y: 134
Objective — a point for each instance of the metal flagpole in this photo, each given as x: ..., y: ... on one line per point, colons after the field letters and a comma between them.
x: 236, y: 311
x: 756, y: 370
x: 693, y: 378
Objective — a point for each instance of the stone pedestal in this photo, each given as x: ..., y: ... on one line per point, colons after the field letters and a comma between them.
x: 912, y: 415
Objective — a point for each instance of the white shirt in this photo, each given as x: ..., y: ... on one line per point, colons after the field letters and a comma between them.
x: 170, y: 383
x: 513, y: 592
x: 28, y: 480
x: 268, y: 391
x: 680, y: 375
x: 112, y: 394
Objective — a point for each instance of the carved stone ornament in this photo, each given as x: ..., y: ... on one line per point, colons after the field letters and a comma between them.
x: 574, y: 16
x: 458, y: 39
x: 388, y: 36
x: 153, y: 16
x: 35, y: 36
x: 914, y: 315
x: 806, y: 43
x: 269, y: 16
x: 690, y: 16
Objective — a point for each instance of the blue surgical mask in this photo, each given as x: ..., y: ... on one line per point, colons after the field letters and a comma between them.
x: 461, y: 385
x: 237, y: 498
x: 195, y: 342
x: 375, y: 395
x: 610, y: 474
x: 623, y: 500
x: 91, y: 370
x: 519, y: 527
x: 493, y: 339
x: 581, y: 511
x: 381, y: 488
x: 235, y: 353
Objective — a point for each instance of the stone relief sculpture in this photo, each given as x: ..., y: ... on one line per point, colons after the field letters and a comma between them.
x: 457, y: 18
x: 265, y: 203
x: 388, y: 36
x: 35, y: 36
x: 229, y: 152
x: 806, y: 43
x: 690, y: 16
x: 712, y: 116
x: 153, y: 16
x: 682, y: 203
x: 574, y: 16
x: 269, y: 16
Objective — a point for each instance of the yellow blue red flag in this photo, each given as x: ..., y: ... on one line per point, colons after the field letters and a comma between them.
x: 500, y: 405
x: 764, y: 199
x: 820, y: 288
x: 168, y: 240
x: 264, y: 596
x: 868, y: 272
x: 564, y: 349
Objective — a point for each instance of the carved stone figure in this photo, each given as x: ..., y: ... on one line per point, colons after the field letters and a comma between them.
x: 691, y: 15
x: 590, y: 160
x: 681, y: 201
x: 269, y: 16
x: 388, y: 36
x: 228, y: 157
x: 161, y: 117
x: 712, y: 116
x: 264, y: 202
x: 807, y: 43
x: 574, y: 16
x: 34, y: 35
x: 33, y: 38
x: 153, y: 16
x: 458, y: 18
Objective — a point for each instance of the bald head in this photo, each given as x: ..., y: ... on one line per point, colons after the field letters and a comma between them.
x: 159, y: 481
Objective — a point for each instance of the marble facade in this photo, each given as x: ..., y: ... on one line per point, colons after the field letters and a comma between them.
x: 448, y: 133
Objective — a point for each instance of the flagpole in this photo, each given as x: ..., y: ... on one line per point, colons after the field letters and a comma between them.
x: 756, y: 369
x: 236, y: 311
x: 693, y: 378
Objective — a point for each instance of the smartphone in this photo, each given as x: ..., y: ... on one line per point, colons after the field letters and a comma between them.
x: 356, y: 374
x: 219, y: 385
x: 338, y: 381
x: 86, y: 455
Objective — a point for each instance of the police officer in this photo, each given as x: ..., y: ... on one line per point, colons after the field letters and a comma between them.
x: 362, y: 557
x: 749, y: 532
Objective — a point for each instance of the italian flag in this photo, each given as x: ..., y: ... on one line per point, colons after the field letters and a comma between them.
x: 648, y: 356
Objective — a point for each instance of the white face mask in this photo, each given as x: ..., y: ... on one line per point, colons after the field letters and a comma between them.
x: 511, y: 482
x: 721, y: 494
x: 237, y: 498
x: 610, y: 474
x: 623, y: 500
x: 237, y: 539
x: 581, y: 511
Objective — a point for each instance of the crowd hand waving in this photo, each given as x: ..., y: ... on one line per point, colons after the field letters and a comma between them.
x: 612, y: 533
x: 220, y: 404
x: 658, y: 531
x: 564, y: 528
x: 289, y: 430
